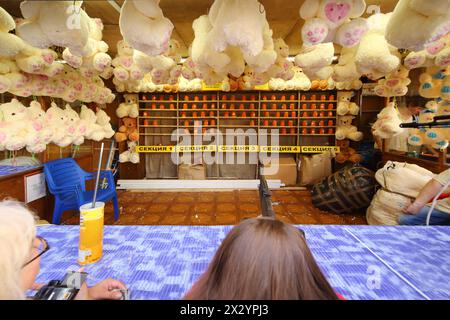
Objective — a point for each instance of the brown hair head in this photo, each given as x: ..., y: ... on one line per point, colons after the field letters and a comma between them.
x: 262, y: 259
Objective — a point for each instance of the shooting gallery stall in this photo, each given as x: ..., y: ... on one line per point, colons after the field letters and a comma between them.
x: 129, y: 123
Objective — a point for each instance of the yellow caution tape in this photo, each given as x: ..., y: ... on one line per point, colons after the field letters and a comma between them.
x: 241, y: 148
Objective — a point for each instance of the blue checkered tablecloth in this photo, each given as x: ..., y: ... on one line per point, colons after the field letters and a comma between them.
x: 361, y: 262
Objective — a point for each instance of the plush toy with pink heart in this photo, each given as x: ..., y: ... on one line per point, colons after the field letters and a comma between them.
x: 335, y: 21
x: 394, y: 84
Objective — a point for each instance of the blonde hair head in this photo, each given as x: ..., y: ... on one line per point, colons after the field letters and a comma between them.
x: 17, y: 232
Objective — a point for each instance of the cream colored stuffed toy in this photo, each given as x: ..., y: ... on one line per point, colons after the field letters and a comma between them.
x: 430, y: 20
x: 130, y: 155
x: 316, y: 60
x: 333, y: 21
x: 15, y: 121
x: 374, y: 55
x: 129, y: 108
x: 103, y: 120
x: 93, y: 130
x: 11, y: 44
x: 58, y: 23
x: 345, y: 105
x: 395, y: 84
x: 345, y: 129
x: 144, y: 27
x: 388, y: 122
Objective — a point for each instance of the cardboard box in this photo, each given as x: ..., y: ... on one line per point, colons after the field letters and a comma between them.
x: 287, y: 171
x: 192, y: 172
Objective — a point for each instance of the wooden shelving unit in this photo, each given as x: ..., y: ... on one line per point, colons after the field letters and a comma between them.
x: 296, y: 115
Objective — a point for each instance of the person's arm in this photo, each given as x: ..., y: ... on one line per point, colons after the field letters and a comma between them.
x: 104, y: 290
x: 428, y: 192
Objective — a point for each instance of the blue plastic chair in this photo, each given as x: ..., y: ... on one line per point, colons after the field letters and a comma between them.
x: 67, y: 182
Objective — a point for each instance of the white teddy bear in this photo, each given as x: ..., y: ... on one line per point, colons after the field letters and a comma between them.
x: 129, y: 108
x: 345, y: 129
x: 93, y: 130
x: 57, y: 119
x: 76, y: 128
x: 54, y: 23
x: 316, y: 60
x: 43, y: 132
x: 430, y: 20
x: 395, y: 84
x: 144, y: 27
x: 11, y: 44
x: 130, y: 155
x: 333, y: 21
x: 374, y: 56
x: 103, y: 120
x: 388, y: 122
x: 15, y: 124
x: 345, y: 105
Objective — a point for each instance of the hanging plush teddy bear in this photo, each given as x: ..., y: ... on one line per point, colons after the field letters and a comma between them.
x: 395, y: 84
x: 388, y: 122
x: 16, y: 124
x: 43, y: 133
x: 430, y: 20
x: 316, y: 60
x: 374, y: 57
x: 103, y: 120
x: 12, y: 45
x: 93, y: 130
x: 333, y: 21
x: 144, y: 27
x: 54, y: 23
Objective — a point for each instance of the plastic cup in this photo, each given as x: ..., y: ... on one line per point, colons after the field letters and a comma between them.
x: 91, y: 233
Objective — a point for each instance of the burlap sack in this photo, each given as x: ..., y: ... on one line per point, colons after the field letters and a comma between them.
x: 386, y: 207
x: 313, y: 169
x: 403, y: 178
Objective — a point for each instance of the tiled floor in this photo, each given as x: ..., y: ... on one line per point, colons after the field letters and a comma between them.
x: 215, y: 208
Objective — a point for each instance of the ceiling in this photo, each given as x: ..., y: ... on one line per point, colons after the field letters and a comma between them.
x: 282, y: 15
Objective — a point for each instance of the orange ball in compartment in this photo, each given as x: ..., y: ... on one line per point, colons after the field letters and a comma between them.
x: 293, y: 114
x: 304, y: 106
x: 185, y: 105
x: 331, y: 97
x: 315, y: 114
x: 330, y: 113
x: 194, y: 114
x: 244, y: 114
x: 330, y: 106
x: 331, y: 131
x: 267, y: 114
x: 253, y: 98
x: 321, y: 131
x: 313, y: 131
x: 224, y: 106
x: 196, y: 98
x: 186, y: 98
x: 305, y: 114
x: 313, y: 97
x: 303, y: 97
x: 232, y: 106
x: 241, y: 106
x: 264, y: 106
x: 205, y: 106
x: 146, y: 122
x: 212, y: 114
x: 283, y: 106
x: 277, y: 114
x: 233, y: 114
x: 323, y: 97
x: 155, y: 123
x: 293, y: 130
x: 330, y: 123
x: 153, y: 97
x: 304, y: 131
x: 283, y: 97
x: 283, y: 131
x: 172, y: 106
x: 233, y: 98
x: 253, y: 114
x: 313, y: 123
x: 313, y: 106
x: 321, y: 123
x: 161, y: 106
x: 252, y: 123
x: 252, y: 106
x: 274, y: 123
x: 273, y: 97
x: 206, y: 123
x: 205, y: 98
x: 183, y: 114
x: 304, y: 123
x: 292, y: 97
x: 266, y: 123
x: 286, y: 114
x: 203, y: 114
x: 282, y: 123
x: 194, y: 106
x: 224, y: 97
x: 226, y: 114
x: 213, y: 122
x: 145, y: 114
x: 186, y: 123
x: 290, y: 123
x: 322, y: 106
x: 264, y: 97
x: 213, y: 105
